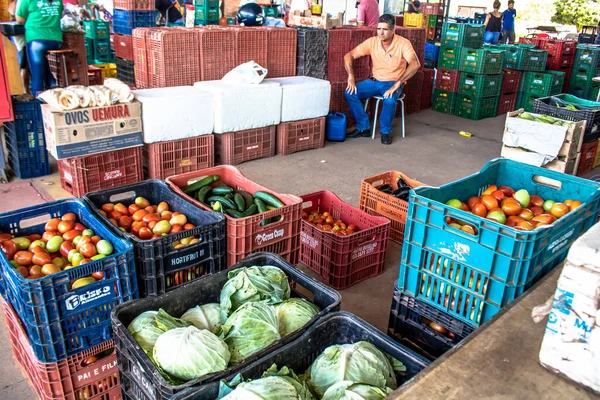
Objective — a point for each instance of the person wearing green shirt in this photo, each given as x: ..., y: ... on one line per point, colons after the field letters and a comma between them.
x: 42, y: 33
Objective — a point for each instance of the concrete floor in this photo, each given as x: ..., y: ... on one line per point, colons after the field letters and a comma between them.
x: 433, y: 152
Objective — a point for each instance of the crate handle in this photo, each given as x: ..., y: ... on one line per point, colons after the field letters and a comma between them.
x: 463, y: 217
x: 548, y: 182
x: 121, y: 196
x: 34, y: 221
x: 98, y: 357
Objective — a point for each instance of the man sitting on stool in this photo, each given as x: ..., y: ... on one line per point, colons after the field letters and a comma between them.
x: 394, y: 62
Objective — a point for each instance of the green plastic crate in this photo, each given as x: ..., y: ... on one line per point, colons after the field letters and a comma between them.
x: 479, y: 85
x: 543, y: 84
x: 462, y: 35
x: 515, y: 55
x: 449, y: 57
x: 206, y: 14
x: 432, y: 21
x: 526, y: 101
x: 583, y: 87
x: 475, y: 108
x: 96, y: 30
x: 101, y: 49
x: 270, y: 11
x: 481, y: 61
x: 208, y: 3
x: 443, y: 101
x: 587, y: 57
x: 89, y: 49
x: 535, y: 60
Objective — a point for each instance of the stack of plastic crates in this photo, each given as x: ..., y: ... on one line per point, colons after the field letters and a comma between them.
x: 206, y: 12
x: 585, y: 67
x: 539, y: 84
x: 97, y: 42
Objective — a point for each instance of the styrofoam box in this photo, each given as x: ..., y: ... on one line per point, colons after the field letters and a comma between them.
x: 303, y: 97
x: 175, y: 113
x: 241, y: 107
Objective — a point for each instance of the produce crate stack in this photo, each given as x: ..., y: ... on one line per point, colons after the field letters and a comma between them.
x: 511, y: 81
x: 440, y: 298
x: 126, y: 20
x: 312, y: 52
x: 64, y: 66
x: 432, y: 53
x: 206, y: 12
x: 59, y: 320
x: 418, y: 38
x: 561, y: 57
x: 76, y: 43
x: 124, y: 61
x: 585, y: 67
x: 539, y: 84
x: 435, y: 15
x: 413, y: 92
x: 427, y: 91
x: 444, y: 94
x: 97, y: 42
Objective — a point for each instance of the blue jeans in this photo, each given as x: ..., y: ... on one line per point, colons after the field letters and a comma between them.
x: 491, y: 37
x: 41, y: 78
x: 370, y: 88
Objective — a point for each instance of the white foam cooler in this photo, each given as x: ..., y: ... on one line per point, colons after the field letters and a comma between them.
x: 175, y: 113
x: 241, y: 107
x: 303, y: 97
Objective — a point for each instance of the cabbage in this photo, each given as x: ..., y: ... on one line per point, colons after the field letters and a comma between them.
x: 189, y: 353
x: 274, y: 385
x: 251, y: 328
x: 293, y: 314
x: 358, y: 362
x: 206, y: 316
x: 355, y: 391
x: 144, y: 330
x: 167, y: 322
x: 266, y: 284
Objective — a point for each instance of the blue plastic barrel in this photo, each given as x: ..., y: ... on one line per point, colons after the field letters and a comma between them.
x: 336, y: 127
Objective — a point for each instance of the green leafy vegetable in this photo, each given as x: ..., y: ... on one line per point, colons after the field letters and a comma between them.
x: 355, y: 391
x: 293, y: 314
x: 144, y: 330
x: 167, y: 322
x: 207, y: 316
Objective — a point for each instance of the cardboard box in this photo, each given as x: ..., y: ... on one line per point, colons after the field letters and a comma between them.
x: 324, y: 21
x: 566, y: 165
x: 92, y: 130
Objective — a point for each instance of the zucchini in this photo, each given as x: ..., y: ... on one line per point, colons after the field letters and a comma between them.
x: 239, y: 202
x: 220, y: 190
x: 224, y: 201
x: 207, y: 180
x: 250, y: 210
x: 201, y: 195
x: 248, y: 200
x: 269, y: 199
x: 233, y: 213
x: 260, y: 205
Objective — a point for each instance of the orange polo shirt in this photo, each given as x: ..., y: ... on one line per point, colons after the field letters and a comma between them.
x: 388, y: 65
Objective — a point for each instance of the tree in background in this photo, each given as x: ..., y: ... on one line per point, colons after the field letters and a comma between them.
x: 577, y: 12
x: 533, y: 13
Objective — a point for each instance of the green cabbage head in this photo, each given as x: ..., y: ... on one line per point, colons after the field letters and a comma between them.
x: 267, y: 284
x: 207, y: 316
x: 189, y: 353
x: 144, y: 330
x: 293, y: 314
x: 355, y: 391
x: 358, y: 362
x: 251, y: 328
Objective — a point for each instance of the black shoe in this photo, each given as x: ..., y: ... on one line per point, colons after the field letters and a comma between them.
x: 356, y: 133
x: 386, y: 139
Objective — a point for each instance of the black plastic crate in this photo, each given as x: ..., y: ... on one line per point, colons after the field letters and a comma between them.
x: 333, y: 329
x: 312, y: 51
x: 591, y: 117
x: 143, y: 381
x: 126, y: 70
x: 25, y: 140
x: 161, y: 267
x: 409, y: 324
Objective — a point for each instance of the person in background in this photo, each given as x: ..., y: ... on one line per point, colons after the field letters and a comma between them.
x: 167, y: 6
x: 598, y: 37
x: 42, y: 33
x: 19, y: 41
x: 508, y: 23
x: 414, y: 6
x: 368, y: 13
x: 493, y: 25
x: 394, y: 62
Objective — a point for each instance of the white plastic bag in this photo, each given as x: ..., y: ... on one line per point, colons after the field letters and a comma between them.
x: 244, y: 74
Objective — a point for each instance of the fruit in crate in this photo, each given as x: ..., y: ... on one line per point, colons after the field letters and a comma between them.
x: 516, y: 209
x: 326, y: 222
x: 147, y: 221
x: 64, y: 244
x: 401, y: 193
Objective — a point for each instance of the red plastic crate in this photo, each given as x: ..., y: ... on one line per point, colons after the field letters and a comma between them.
x: 76, y: 42
x: 251, y: 45
x: 338, y: 101
x: 447, y: 79
x: 123, y: 47
x: 140, y: 57
x: 427, y: 92
x: 511, y: 80
x: 343, y: 261
x: 412, y: 91
x: 300, y: 135
x: 281, y: 55
x: 530, y: 40
x: 65, y: 67
x: 362, y: 67
x: 137, y: 5
x: 567, y: 72
x: 71, y: 378
x: 94, y: 75
x: 432, y: 8
x: 234, y: 148
x: 246, y: 235
x: 217, y: 53
x: 175, y: 157
x: 507, y: 103
x: 558, y: 47
x: 417, y: 37
x: 431, y: 32
x: 173, y: 57
x: 588, y: 156
x: 81, y: 175
x: 399, y: 20
x: 556, y: 63
x: 339, y: 45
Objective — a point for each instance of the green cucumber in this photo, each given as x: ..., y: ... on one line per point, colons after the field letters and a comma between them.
x: 269, y: 199
x: 260, y: 205
x: 248, y: 200
x: 223, y: 200
x: 220, y: 190
x: 274, y: 219
x: 233, y: 213
x: 207, y: 180
x: 250, y: 210
x: 229, y: 196
x: 239, y: 202
x: 201, y: 195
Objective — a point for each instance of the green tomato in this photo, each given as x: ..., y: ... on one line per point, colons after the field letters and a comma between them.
x: 87, y: 232
x: 71, y: 254
x: 76, y: 239
x: 36, y: 243
x: 53, y: 244
x: 22, y: 243
x: 104, y: 247
x: 14, y: 264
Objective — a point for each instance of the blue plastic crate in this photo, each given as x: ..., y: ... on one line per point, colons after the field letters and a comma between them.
x: 25, y: 140
x: 59, y: 321
x: 472, y: 277
x: 125, y: 21
x: 432, y: 52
